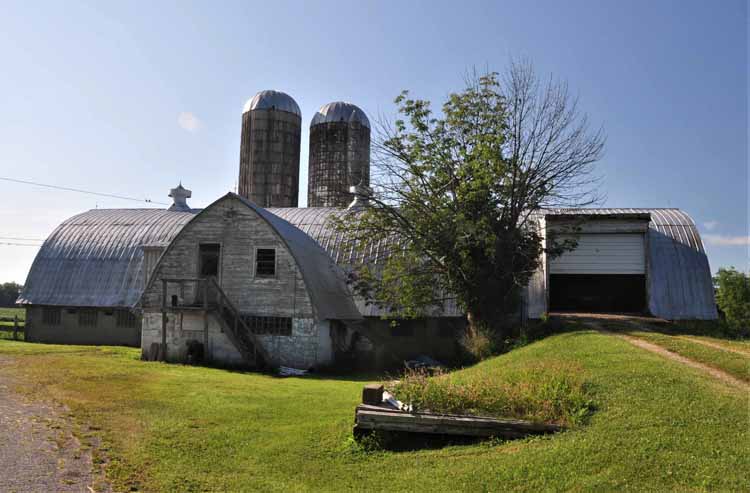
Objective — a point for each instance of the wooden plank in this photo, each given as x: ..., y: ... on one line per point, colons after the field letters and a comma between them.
x: 382, y: 418
x: 10, y: 328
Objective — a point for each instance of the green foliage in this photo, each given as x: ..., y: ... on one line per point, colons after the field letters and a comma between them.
x: 453, y: 194
x: 550, y: 392
x: 733, y: 298
x: 478, y: 343
x: 9, y: 293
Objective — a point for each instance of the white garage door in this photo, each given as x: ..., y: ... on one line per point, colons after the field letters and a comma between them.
x: 603, y: 254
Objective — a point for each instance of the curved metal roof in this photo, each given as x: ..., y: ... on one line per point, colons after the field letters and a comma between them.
x: 680, y: 285
x: 316, y: 222
x: 272, y: 100
x: 340, y: 111
x: 674, y: 223
x: 95, y: 258
x: 679, y: 276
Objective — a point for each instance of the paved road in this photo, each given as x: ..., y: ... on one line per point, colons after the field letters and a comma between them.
x: 38, y: 452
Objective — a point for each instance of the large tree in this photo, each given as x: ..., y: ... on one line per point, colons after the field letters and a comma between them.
x: 454, y: 194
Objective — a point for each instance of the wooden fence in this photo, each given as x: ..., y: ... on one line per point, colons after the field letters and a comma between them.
x: 18, y: 326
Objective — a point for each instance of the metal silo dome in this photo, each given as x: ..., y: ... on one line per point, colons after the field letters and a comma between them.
x: 339, y: 156
x: 340, y: 111
x: 270, y: 150
x: 272, y: 100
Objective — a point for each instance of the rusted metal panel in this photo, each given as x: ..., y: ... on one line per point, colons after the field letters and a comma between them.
x: 96, y: 258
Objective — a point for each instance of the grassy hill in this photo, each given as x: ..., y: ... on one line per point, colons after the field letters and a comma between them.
x: 657, y: 425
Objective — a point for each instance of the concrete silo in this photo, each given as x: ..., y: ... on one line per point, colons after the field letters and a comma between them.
x: 269, y: 150
x: 339, y: 154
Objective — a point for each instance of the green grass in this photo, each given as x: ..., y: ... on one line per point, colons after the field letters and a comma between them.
x: 9, y: 335
x: 542, y: 392
x: 658, y: 426
x: 11, y: 312
x: 737, y: 365
x: 739, y: 345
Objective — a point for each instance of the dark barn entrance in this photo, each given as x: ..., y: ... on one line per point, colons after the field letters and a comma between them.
x: 598, y: 292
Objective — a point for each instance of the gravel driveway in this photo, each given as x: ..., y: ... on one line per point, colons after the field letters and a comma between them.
x: 38, y: 452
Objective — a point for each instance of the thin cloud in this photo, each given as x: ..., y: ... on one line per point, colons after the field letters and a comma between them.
x: 710, y: 225
x: 724, y: 240
x: 189, y: 121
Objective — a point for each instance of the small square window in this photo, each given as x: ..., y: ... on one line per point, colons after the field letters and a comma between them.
x: 87, y: 318
x: 51, y: 316
x: 265, y: 262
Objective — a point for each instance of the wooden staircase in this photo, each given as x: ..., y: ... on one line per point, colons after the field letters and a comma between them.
x: 211, y: 300
x: 234, y: 326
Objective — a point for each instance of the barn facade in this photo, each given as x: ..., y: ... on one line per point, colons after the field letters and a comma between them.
x: 260, y: 282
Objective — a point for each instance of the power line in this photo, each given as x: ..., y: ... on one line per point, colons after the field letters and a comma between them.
x: 18, y: 239
x: 121, y: 197
x: 6, y: 243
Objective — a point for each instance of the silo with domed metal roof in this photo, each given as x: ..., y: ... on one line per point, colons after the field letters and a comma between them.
x: 270, y: 150
x: 339, y: 154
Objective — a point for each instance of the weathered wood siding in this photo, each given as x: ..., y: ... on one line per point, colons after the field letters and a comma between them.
x: 240, y: 231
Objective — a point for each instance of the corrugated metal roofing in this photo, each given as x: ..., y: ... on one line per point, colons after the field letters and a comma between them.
x: 671, y: 222
x: 316, y: 222
x: 95, y: 258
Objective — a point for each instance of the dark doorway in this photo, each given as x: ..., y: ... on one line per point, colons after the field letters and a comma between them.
x: 598, y: 293
x: 209, y: 259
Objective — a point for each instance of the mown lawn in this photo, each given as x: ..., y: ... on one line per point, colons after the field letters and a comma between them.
x: 11, y: 312
x: 737, y: 365
x: 657, y: 426
x: 742, y: 345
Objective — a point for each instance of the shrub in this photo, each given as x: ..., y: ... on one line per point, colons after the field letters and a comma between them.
x: 478, y: 344
x: 551, y: 393
x: 733, y: 298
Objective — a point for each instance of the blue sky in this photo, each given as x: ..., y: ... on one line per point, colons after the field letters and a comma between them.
x: 131, y: 97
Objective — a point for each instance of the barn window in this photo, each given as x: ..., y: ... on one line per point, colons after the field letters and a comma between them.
x: 280, y: 326
x: 126, y: 319
x: 209, y: 257
x: 265, y: 262
x: 51, y: 316
x: 87, y: 318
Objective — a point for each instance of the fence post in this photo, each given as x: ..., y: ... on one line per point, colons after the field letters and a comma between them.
x: 15, y: 327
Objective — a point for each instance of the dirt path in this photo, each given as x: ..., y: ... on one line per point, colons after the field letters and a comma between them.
x: 597, y: 322
x: 718, y: 374
x: 38, y: 451
x: 715, y: 345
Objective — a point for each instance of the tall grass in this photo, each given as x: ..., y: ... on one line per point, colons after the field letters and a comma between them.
x: 550, y: 393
